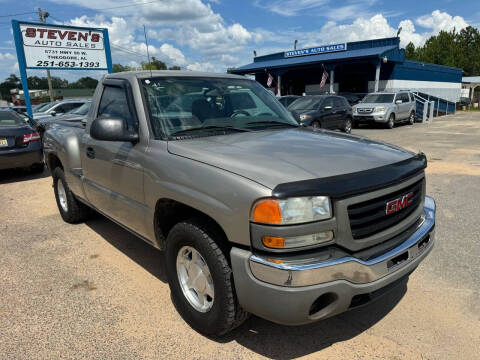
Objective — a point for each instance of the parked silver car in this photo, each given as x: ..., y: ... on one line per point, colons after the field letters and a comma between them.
x: 58, y: 107
x: 386, y: 108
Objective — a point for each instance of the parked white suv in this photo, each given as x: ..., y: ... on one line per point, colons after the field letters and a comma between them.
x: 386, y: 108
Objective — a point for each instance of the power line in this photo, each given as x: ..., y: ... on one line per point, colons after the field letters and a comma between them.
x: 26, y: 13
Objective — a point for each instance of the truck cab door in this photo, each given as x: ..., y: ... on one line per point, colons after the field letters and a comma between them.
x: 113, y: 170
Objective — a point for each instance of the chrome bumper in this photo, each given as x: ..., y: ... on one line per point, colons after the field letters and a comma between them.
x: 325, y: 267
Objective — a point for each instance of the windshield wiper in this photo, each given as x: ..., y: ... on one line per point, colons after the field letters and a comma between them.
x: 271, y: 122
x: 209, y: 127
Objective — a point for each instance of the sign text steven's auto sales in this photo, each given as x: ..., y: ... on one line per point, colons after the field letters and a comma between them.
x: 316, y: 50
x: 50, y: 46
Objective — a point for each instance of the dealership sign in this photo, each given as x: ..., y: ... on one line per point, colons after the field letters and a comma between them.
x: 62, y: 47
x: 46, y: 46
x: 316, y: 50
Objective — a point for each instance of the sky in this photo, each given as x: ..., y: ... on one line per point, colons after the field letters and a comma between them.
x: 212, y: 35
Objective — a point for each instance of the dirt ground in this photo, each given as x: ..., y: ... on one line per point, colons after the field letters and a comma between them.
x: 95, y: 291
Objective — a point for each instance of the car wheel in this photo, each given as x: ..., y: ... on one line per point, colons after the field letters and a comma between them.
x: 71, y: 210
x: 347, y: 126
x: 391, y: 121
x: 316, y: 125
x: 411, y: 118
x: 200, y: 279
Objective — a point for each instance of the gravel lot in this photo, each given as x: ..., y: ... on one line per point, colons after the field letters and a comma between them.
x: 95, y: 291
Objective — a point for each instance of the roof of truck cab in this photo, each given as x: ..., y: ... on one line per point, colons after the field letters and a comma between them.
x: 144, y: 74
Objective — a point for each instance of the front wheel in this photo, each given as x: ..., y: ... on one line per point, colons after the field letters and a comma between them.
x: 347, y: 126
x: 201, y: 279
x: 391, y: 121
x: 316, y: 125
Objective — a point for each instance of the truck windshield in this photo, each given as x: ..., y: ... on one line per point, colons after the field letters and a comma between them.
x: 378, y: 98
x: 201, y: 105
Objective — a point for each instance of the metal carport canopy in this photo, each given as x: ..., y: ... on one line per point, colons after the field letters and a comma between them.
x: 374, y: 52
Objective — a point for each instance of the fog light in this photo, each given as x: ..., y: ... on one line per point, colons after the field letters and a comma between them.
x: 297, y: 241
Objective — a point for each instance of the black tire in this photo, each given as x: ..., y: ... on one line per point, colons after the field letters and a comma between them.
x: 225, y: 313
x: 347, y: 125
x: 391, y: 122
x: 316, y: 125
x: 411, y: 118
x: 76, y: 211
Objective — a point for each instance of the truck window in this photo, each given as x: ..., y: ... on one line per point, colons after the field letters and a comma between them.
x: 114, y: 105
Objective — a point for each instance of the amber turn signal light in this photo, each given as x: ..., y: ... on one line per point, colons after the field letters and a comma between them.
x: 267, y: 212
x: 273, y: 242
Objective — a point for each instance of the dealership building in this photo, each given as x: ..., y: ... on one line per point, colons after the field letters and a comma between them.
x: 354, y: 67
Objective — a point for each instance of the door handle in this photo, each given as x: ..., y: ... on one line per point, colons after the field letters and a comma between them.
x: 90, y: 153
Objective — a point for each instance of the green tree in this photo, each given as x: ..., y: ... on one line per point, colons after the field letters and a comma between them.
x: 450, y: 48
x: 12, y: 82
x: 410, y: 51
x: 84, y: 83
x: 174, y: 67
x: 154, y: 64
x: 120, y: 68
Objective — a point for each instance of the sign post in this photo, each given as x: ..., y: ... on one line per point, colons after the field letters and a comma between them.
x: 59, y: 47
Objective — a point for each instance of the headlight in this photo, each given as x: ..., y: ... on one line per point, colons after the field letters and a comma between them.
x: 304, y: 117
x: 380, y: 109
x: 275, y: 242
x: 354, y: 110
x: 292, y: 211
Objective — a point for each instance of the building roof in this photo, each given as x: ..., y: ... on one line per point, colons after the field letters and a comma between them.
x: 471, y: 79
x: 355, y: 50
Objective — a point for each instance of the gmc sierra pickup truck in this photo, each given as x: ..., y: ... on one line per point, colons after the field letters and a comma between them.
x: 256, y: 214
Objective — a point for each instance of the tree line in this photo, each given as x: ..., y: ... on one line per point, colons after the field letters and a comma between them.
x: 41, y: 83
x: 459, y: 49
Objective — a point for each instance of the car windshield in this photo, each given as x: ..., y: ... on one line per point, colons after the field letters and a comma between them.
x: 45, y: 107
x: 11, y: 118
x: 199, y: 105
x: 378, y: 98
x: 82, y: 110
x: 305, y: 103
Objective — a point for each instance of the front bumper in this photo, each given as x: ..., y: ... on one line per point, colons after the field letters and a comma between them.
x: 374, y: 117
x: 294, y: 292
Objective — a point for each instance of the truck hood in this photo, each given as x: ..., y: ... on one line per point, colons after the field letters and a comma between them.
x: 275, y: 157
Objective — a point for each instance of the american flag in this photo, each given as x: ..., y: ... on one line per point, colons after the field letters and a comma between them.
x: 269, y: 80
x: 324, y: 79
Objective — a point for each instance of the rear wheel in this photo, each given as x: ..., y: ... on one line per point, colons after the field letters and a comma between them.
x: 200, y: 279
x: 347, y: 126
x: 71, y: 210
x: 391, y: 121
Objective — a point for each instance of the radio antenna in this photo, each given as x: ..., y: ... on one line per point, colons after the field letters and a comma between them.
x: 148, y: 53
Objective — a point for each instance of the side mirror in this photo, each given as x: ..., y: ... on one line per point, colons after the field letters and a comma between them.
x: 111, y: 130
x: 398, y: 102
x: 328, y: 107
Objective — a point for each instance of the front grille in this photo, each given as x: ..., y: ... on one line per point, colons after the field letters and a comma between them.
x: 369, y: 217
x: 364, y: 110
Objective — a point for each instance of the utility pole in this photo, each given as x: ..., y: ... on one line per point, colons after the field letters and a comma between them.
x: 42, y: 16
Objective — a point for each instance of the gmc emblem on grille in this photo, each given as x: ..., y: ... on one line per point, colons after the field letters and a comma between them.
x: 398, y: 204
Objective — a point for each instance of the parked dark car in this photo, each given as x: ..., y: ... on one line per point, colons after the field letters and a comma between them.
x: 288, y: 99
x: 19, y: 109
x: 323, y: 111
x: 20, y: 145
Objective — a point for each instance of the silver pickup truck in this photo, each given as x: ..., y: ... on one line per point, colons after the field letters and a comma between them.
x: 255, y: 213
